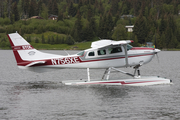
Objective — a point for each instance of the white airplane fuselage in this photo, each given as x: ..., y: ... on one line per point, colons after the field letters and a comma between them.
x: 110, y: 54
x: 85, y: 60
x: 135, y: 56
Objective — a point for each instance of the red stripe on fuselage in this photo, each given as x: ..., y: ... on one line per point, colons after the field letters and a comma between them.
x: 142, y: 48
x: 72, y: 60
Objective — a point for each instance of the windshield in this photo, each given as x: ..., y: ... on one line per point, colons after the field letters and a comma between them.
x: 129, y: 47
x: 81, y: 53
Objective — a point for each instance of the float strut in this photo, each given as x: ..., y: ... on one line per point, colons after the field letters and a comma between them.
x: 138, y: 72
x: 88, y: 75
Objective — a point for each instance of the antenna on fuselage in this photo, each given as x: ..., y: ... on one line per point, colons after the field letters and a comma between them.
x: 66, y: 52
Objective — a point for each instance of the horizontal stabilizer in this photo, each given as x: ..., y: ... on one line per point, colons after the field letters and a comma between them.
x: 36, y: 63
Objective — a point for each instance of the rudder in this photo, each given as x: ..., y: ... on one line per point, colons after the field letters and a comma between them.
x: 18, y: 43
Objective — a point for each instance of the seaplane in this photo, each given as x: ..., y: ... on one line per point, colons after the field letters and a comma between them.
x: 104, y: 54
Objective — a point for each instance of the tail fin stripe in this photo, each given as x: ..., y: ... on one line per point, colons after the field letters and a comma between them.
x: 23, y: 47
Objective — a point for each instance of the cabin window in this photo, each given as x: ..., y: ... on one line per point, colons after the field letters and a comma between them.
x: 101, y: 52
x: 114, y: 50
x: 91, y: 54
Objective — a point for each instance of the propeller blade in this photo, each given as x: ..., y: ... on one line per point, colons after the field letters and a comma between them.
x: 156, y: 53
x: 157, y: 57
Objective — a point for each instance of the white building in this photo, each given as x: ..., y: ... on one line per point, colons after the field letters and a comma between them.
x: 130, y: 28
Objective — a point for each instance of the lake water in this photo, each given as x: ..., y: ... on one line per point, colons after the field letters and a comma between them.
x: 25, y: 95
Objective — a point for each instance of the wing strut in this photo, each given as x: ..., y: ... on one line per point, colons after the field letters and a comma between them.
x: 126, y: 55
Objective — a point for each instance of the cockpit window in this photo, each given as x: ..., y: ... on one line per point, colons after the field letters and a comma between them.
x: 81, y: 53
x: 91, y: 54
x: 129, y: 47
x: 101, y: 52
x: 114, y: 50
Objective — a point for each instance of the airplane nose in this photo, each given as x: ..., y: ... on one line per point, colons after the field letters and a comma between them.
x: 157, y: 50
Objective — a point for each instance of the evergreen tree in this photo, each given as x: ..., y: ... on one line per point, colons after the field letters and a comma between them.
x: 69, y: 40
x: 43, y: 39
x: 163, y: 37
x: 49, y: 40
x: 140, y: 29
x: 44, y: 12
x: 55, y: 7
x: 157, y: 40
x: 172, y: 23
x: 168, y: 36
x: 15, y: 12
x: 77, y: 32
x: 110, y: 24
x: 89, y: 14
x: 93, y: 25
x: 36, y: 40
x: 173, y: 43
x: 71, y: 10
x: 163, y: 25
x: 100, y: 29
x: 50, y: 6
x: 33, y: 8
x: 57, y: 41
x: 29, y: 39
x: 135, y: 43
x: 60, y: 16
x: 119, y: 33
x: 114, y: 7
x: 104, y: 27
x: 25, y: 6
x: 39, y: 7
x: 88, y: 33
x: 80, y: 4
x: 101, y: 8
x: 52, y: 40
x: 116, y: 19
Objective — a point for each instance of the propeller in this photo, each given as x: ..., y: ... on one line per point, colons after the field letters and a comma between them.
x: 156, y: 53
x: 157, y: 57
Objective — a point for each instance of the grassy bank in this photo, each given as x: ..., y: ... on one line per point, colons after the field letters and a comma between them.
x: 46, y: 46
x: 76, y: 46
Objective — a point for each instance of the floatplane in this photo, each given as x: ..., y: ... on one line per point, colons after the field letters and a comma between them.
x: 103, y: 54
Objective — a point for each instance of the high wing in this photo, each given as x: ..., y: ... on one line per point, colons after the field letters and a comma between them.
x: 106, y: 43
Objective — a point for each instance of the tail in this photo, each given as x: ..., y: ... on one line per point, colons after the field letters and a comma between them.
x: 25, y: 54
x: 19, y: 45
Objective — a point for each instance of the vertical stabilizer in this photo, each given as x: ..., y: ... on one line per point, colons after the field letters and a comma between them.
x: 25, y: 54
x: 18, y: 43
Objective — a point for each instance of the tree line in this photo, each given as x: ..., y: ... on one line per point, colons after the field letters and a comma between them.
x: 154, y: 21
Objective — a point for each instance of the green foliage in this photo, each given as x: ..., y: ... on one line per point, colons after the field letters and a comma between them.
x: 140, y: 29
x: 36, y: 40
x: 69, y: 40
x: 135, y: 43
x: 4, y: 21
x: 43, y: 39
x: 119, y: 33
x: 86, y: 20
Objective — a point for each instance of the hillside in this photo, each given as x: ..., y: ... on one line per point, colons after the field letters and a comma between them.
x: 70, y: 24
